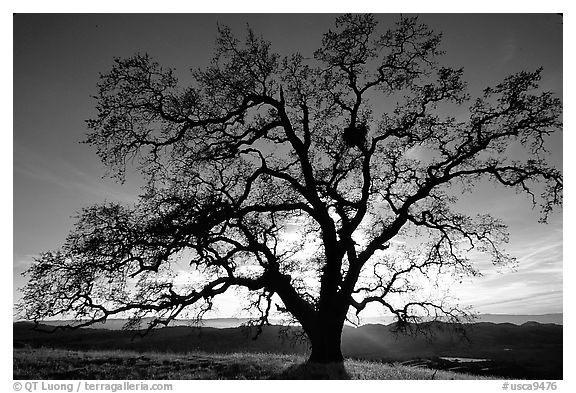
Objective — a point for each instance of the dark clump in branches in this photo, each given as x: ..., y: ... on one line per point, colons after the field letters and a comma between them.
x: 253, y: 182
x: 356, y: 136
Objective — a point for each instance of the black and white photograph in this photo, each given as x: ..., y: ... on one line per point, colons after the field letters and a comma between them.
x: 287, y: 196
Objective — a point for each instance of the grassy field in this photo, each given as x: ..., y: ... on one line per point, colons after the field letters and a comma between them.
x: 44, y: 363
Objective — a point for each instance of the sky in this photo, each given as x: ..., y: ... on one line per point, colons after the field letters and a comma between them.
x: 58, y: 58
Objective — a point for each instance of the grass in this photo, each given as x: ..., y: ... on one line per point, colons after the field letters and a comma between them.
x: 45, y: 363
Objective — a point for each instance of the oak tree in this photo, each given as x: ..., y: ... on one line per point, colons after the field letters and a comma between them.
x: 292, y: 177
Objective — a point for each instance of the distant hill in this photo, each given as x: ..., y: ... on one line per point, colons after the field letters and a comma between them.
x: 531, y: 350
x: 223, y: 323
x: 118, y: 324
x: 521, y: 319
x: 556, y: 318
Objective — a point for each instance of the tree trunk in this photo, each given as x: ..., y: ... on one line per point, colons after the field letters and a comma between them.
x: 326, y: 341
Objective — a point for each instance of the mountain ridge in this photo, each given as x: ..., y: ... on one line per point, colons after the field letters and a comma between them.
x: 222, y: 323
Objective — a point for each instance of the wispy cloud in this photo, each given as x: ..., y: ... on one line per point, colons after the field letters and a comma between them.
x: 508, y: 49
x: 60, y: 172
x: 529, y: 297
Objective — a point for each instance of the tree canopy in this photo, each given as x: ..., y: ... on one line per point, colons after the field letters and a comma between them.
x: 293, y: 176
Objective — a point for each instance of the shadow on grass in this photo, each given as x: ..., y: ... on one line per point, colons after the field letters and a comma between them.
x: 314, y: 371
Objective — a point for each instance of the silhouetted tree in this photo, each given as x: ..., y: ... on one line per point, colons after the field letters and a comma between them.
x: 279, y: 175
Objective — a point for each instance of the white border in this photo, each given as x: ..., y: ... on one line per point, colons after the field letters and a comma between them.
x: 293, y: 6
